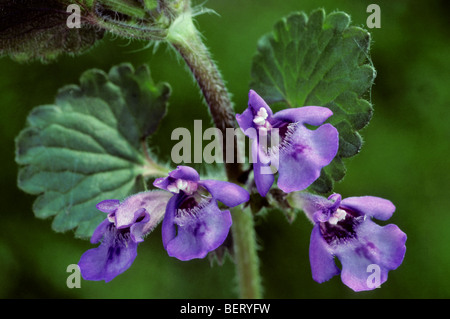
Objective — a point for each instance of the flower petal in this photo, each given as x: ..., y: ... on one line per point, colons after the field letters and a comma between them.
x: 168, y: 229
x: 100, y: 231
x: 376, y: 207
x: 263, y: 181
x: 317, y: 208
x: 308, y: 152
x: 255, y: 102
x: 137, y: 229
x: 162, y: 182
x: 185, y: 173
x: 146, y: 226
x: 245, y: 121
x: 108, y: 206
x: 127, y: 217
x: 199, y: 235
x: 135, y: 206
x: 228, y: 193
x: 374, y: 246
x: 322, y: 262
x: 262, y: 172
x: 390, y: 241
x: 312, y: 115
x: 114, y: 255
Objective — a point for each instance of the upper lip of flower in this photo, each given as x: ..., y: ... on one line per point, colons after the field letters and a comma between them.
x: 182, y: 179
x: 185, y: 180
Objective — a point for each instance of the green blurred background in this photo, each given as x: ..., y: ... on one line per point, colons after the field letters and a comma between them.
x: 405, y: 159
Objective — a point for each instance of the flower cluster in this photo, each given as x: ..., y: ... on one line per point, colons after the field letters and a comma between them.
x: 193, y: 224
x: 343, y: 228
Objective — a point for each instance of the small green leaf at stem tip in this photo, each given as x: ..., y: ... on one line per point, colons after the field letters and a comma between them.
x: 87, y: 146
x: 320, y: 60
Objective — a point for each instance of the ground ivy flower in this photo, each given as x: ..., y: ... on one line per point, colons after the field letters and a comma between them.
x: 299, y: 154
x: 344, y: 228
x: 125, y: 226
x: 194, y: 224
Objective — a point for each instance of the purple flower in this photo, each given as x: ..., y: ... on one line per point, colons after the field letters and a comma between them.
x: 120, y: 233
x: 299, y: 153
x: 344, y: 228
x: 193, y: 224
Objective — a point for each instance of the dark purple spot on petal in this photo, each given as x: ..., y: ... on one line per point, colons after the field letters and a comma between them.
x: 110, y: 254
x: 200, y: 230
x: 367, y: 250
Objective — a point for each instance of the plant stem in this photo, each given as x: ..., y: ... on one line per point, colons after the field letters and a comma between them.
x: 245, y: 254
x: 184, y: 37
x: 152, y: 168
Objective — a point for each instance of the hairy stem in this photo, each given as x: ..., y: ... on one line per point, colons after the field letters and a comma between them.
x: 245, y: 254
x: 184, y: 37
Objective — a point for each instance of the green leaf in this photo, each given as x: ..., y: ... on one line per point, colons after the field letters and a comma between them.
x: 319, y: 60
x: 87, y: 147
x: 37, y: 29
